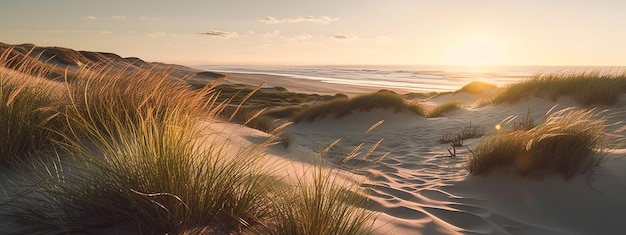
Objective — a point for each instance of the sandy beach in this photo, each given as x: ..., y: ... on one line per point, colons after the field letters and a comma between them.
x: 419, y: 189
x: 301, y: 85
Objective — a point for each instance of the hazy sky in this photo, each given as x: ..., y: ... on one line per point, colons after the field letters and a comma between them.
x: 523, y: 32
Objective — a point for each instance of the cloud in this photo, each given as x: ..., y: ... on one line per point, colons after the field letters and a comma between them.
x: 272, y: 34
x: 154, y: 34
x: 104, y: 32
x: 303, y: 37
x: 90, y: 17
x: 344, y: 36
x: 269, y: 20
x: 118, y: 17
x: 299, y: 19
x: 223, y: 34
x: 300, y: 38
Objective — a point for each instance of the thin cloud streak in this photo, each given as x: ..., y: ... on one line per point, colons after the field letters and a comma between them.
x: 299, y: 19
x: 222, y: 34
x: 344, y: 36
x: 154, y: 34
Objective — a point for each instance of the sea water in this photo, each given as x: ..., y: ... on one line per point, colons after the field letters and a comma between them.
x: 418, y: 78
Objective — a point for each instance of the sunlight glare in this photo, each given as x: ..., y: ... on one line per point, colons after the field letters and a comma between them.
x: 474, y: 51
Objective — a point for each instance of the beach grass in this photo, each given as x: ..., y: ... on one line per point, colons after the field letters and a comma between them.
x: 587, y: 88
x: 28, y: 112
x: 278, y: 98
x: 137, y: 152
x: 568, y: 142
x: 343, y: 106
x: 444, y: 108
x: 323, y: 202
x: 132, y: 156
x: 323, y: 205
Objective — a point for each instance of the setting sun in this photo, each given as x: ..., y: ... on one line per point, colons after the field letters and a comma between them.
x: 476, y: 50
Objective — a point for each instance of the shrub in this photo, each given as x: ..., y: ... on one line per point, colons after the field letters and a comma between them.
x: 593, y: 87
x: 468, y: 132
x: 566, y: 143
x: 526, y: 123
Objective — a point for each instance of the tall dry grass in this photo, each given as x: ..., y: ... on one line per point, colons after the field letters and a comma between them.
x: 568, y: 142
x: 131, y: 156
x: 324, y: 204
x: 134, y: 154
x: 28, y: 111
x: 591, y: 87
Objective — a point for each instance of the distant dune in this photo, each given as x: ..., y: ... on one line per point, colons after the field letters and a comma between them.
x: 58, y: 59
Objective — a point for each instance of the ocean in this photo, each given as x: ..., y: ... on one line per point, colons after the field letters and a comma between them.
x: 418, y: 78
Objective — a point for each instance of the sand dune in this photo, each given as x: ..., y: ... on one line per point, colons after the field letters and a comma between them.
x: 419, y: 189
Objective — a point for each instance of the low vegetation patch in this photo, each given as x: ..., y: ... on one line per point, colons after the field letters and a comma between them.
x: 567, y: 142
x: 259, y: 119
x: 468, y: 132
x: 586, y: 88
x: 237, y: 93
x: 343, y: 106
x: 477, y: 87
x: 525, y: 123
x: 444, y: 108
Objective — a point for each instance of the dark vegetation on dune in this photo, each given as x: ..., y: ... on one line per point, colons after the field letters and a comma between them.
x: 210, y: 74
x: 343, y: 106
x: 55, y: 61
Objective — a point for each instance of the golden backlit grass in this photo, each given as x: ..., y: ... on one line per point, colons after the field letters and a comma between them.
x: 28, y: 112
x: 131, y: 156
x: 133, y: 153
x: 476, y: 87
x: 318, y: 206
x: 566, y: 143
x: 591, y: 87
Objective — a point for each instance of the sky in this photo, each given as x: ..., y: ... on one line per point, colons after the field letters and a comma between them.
x: 329, y: 32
